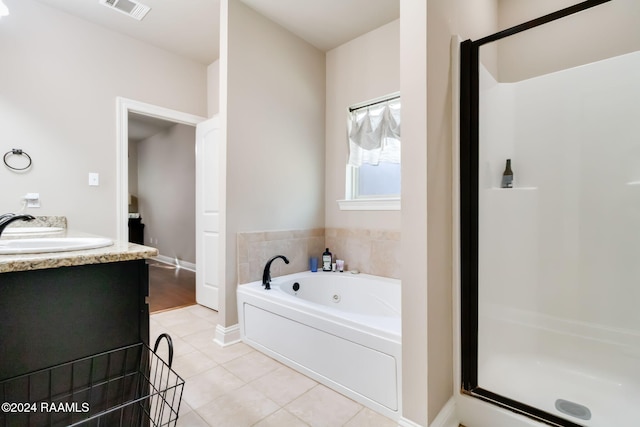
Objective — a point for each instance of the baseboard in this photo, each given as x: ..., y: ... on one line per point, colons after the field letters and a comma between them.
x: 404, y: 422
x: 447, y: 417
x: 227, y: 336
x: 177, y: 262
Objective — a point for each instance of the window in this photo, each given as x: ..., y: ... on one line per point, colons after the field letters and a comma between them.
x: 373, y: 168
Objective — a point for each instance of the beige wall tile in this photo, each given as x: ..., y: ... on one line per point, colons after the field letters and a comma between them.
x: 385, y: 258
x: 369, y: 251
x: 374, y: 252
x: 297, y: 245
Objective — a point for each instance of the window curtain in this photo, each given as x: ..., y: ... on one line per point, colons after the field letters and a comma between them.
x: 374, y: 134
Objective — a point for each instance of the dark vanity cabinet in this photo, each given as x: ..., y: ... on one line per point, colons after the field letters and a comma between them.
x: 54, y: 315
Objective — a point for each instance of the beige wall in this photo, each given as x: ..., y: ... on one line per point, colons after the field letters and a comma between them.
x: 365, y: 68
x: 609, y: 29
x: 413, y: 72
x: 427, y: 246
x: 272, y: 113
x: 166, y: 191
x: 59, y: 82
x: 213, y: 88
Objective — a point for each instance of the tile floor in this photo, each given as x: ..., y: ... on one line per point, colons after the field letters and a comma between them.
x: 237, y: 386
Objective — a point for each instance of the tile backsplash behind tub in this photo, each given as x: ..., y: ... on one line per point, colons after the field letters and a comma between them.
x: 256, y: 248
x: 374, y: 252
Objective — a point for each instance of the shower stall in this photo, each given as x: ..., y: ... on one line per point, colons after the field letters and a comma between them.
x: 550, y: 268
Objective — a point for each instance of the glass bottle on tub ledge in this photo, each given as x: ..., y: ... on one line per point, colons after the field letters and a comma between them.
x: 507, y: 176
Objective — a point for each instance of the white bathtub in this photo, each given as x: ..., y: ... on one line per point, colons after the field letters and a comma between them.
x: 341, y: 329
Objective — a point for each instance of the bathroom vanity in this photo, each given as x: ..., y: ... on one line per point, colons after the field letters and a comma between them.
x: 56, y: 307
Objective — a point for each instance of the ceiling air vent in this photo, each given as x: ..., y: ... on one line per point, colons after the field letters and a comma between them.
x: 128, y: 7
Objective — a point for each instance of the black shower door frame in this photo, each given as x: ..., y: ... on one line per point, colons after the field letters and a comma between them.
x: 469, y: 179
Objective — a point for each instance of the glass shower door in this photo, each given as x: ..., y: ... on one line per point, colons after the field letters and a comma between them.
x: 558, y: 281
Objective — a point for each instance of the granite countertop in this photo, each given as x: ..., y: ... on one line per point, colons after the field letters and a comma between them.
x: 119, y: 251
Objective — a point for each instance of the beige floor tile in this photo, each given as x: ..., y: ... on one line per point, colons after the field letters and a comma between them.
x: 153, y: 322
x: 202, y: 338
x: 283, y: 385
x: 367, y: 418
x: 175, y: 317
x: 180, y: 347
x: 192, y: 419
x: 204, y: 312
x: 252, y: 366
x: 155, y: 329
x: 192, y: 364
x: 282, y: 418
x: 189, y: 328
x: 184, y: 408
x: 239, y: 408
x: 209, y: 385
x: 323, y: 407
x: 225, y: 354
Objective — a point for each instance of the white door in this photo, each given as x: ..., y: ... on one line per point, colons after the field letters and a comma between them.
x: 209, y: 252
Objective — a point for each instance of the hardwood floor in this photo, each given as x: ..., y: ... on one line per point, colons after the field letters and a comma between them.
x: 170, y: 287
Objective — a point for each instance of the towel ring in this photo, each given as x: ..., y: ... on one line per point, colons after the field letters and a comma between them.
x: 16, y: 152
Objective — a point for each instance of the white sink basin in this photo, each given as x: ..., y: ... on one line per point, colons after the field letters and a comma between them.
x: 20, y: 231
x: 51, y: 244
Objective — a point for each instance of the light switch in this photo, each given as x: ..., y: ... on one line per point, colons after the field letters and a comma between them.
x: 94, y: 179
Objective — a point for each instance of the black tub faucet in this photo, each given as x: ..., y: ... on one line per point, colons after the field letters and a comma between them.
x: 7, y: 219
x: 266, y: 275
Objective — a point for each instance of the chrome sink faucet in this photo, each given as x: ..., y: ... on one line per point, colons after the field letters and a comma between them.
x: 8, y: 218
x: 266, y: 275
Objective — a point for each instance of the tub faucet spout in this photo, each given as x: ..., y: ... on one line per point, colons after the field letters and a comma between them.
x: 7, y: 219
x: 266, y: 275
x: 5, y: 216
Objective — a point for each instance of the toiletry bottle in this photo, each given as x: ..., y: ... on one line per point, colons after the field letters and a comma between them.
x: 507, y: 176
x: 326, y: 260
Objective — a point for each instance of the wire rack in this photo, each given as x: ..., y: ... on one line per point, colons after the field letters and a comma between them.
x: 130, y: 386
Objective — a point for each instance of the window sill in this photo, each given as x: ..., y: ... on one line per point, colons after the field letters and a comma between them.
x: 370, y: 204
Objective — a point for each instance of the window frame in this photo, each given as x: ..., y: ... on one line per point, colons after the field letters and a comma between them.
x: 353, y: 201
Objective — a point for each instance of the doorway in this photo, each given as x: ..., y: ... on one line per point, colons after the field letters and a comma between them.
x: 170, y: 286
x: 157, y: 192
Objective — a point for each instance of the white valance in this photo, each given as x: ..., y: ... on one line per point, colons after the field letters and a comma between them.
x: 374, y: 134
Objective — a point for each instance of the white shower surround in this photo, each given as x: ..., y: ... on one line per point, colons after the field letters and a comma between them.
x: 538, y: 359
x: 577, y: 199
x: 341, y: 329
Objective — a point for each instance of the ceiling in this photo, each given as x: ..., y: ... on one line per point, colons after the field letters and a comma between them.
x: 191, y: 28
x: 142, y: 127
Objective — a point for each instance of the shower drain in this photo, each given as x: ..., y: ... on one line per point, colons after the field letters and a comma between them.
x: 573, y: 409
